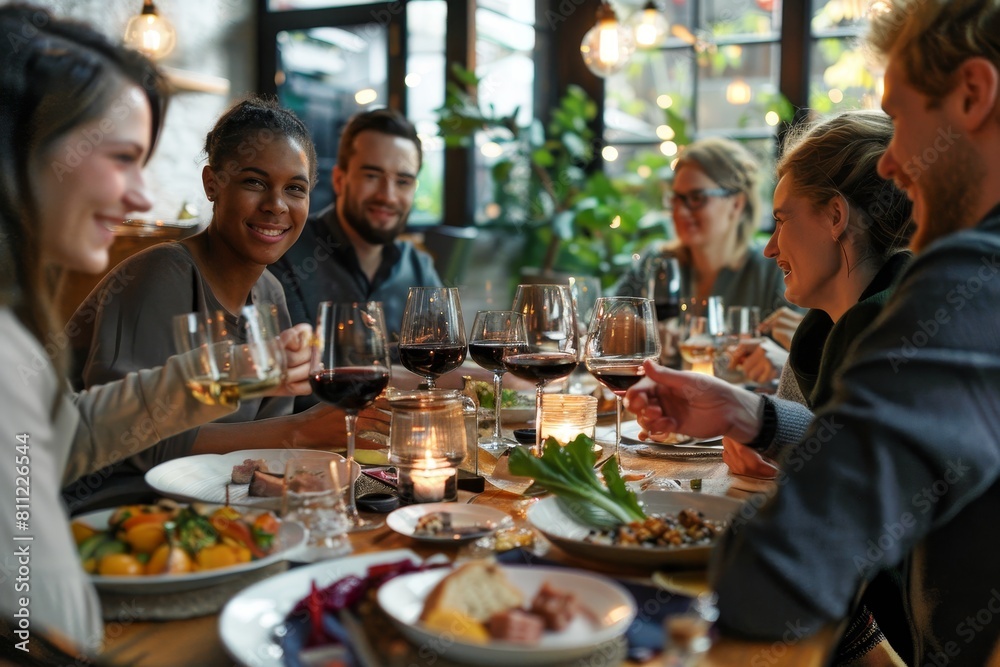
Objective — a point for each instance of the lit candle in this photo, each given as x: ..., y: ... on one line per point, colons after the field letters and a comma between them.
x: 429, y: 486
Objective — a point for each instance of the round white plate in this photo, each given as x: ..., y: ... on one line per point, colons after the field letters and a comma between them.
x: 290, y: 536
x: 568, y: 534
x: 404, y: 520
x: 247, y: 622
x: 611, y: 609
x: 630, y: 435
x: 205, y: 477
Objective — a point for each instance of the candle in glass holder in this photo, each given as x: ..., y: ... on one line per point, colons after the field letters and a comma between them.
x: 427, y: 442
x: 565, y: 416
x: 431, y: 486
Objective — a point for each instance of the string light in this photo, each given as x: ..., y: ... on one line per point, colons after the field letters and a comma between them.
x: 649, y: 25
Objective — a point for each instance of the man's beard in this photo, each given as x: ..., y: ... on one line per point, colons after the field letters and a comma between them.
x: 354, y: 215
x: 951, y: 191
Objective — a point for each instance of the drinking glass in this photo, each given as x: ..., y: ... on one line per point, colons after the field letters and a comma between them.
x: 663, y: 286
x: 432, y: 336
x: 494, y: 332
x: 742, y: 326
x: 349, y: 369
x: 233, y: 359
x: 314, y: 496
x: 621, y: 337
x: 585, y: 291
x: 701, y: 336
x: 550, y: 332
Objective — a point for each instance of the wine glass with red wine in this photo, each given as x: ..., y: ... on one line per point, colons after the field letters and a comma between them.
x: 350, y: 368
x: 495, y: 333
x: 432, y: 336
x: 550, y: 353
x: 621, y: 337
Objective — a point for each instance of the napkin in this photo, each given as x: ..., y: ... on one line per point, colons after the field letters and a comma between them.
x: 645, y: 635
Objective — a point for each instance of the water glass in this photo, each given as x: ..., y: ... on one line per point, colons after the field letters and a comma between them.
x: 314, y: 496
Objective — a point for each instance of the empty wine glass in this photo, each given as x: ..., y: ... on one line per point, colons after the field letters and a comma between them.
x: 495, y: 333
x: 585, y: 291
x: 663, y: 286
x: 349, y: 369
x: 621, y: 337
x: 550, y: 332
x: 432, y: 336
x: 236, y: 358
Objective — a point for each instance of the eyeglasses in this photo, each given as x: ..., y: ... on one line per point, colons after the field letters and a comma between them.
x: 697, y: 198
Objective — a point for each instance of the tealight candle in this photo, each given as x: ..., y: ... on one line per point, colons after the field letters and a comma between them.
x: 430, y: 486
x: 565, y: 416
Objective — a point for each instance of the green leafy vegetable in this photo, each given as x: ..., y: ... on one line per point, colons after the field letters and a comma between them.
x: 509, y: 398
x: 569, y: 473
x: 194, y: 532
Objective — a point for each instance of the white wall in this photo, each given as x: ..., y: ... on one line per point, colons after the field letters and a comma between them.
x: 215, y: 37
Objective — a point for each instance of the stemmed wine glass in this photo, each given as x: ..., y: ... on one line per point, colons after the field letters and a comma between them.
x: 349, y: 369
x: 494, y: 334
x: 621, y: 337
x: 432, y: 336
x: 550, y: 333
x: 663, y: 286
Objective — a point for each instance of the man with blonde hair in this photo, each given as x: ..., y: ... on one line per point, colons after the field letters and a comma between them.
x: 900, y: 471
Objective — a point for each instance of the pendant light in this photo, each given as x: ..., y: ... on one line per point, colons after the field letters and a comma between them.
x: 649, y: 25
x: 150, y: 33
x: 608, y: 45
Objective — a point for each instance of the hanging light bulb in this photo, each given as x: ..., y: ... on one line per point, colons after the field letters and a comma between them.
x: 649, y: 25
x: 608, y: 45
x: 150, y: 33
x: 738, y: 92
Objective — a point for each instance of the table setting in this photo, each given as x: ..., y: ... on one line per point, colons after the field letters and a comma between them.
x: 589, y: 552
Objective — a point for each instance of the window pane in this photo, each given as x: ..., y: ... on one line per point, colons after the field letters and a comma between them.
x: 675, y: 11
x: 728, y: 18
x: 737, y: 85
x: 287, y: 5
x: 839, y: 77
x: 638, y: 97
x: 425, y: 70
x: 326, y: 75
x: 833, y: 14
x: 505, y: 42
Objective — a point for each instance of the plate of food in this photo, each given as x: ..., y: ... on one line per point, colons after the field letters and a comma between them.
x: 482, y: 613
x: 447, y: 522
x: 631, y: 431
x: 150, y: 549
x: 685, y: 526
x: 249, y: 621
x: 251, y: 477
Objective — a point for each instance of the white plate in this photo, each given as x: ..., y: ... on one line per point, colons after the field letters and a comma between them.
x: 205, y: 477
x: 612, y: 607
x: 630, y: 435
x: 247, y: 622
x: 548, y: 517
x: 290, y: 536
x: 404, y: 520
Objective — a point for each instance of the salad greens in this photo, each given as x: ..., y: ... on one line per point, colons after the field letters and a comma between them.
x: 509, y: 398
x: 569, y: 473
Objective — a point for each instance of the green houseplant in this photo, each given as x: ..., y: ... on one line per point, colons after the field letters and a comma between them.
x: 576, y: 221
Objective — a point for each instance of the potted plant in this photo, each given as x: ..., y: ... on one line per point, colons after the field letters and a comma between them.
x: 576, y: 222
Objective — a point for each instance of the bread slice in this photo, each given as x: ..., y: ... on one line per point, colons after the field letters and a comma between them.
x: 477, y: 589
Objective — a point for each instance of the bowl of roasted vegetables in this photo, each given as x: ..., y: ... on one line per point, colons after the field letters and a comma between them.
x: 172, y: 547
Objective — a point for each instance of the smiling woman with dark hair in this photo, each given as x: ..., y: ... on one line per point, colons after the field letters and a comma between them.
x: 261, y: 169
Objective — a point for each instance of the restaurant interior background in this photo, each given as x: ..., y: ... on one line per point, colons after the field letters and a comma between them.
x: 541, y: 166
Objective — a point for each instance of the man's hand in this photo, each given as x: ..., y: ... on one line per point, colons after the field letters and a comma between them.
x: 743, y: 460
x: 761, y: 359
x: 668, y: 401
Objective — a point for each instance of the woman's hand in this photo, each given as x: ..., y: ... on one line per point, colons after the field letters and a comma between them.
x: 324, y: 427
x: 297, y: 344
x: 743, y: 460
x: 668, y: 401
x: 781, y: 324
x: 761, y: 359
